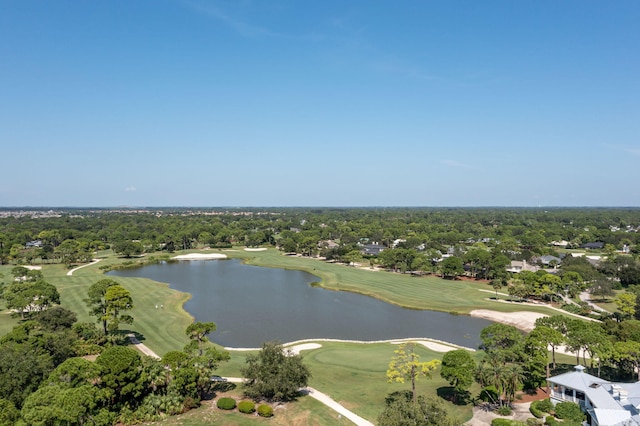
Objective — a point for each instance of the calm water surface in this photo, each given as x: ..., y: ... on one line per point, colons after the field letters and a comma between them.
x: 251, y: 305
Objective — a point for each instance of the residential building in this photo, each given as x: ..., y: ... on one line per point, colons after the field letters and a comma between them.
x: 605, y: 403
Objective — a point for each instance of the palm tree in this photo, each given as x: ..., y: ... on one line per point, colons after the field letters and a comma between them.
x: 512, y: 378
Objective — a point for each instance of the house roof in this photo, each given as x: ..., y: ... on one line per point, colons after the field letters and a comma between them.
x: 611, y: 417
x: 578, y: 380
x: 546, y: 259
x: 613, y: 403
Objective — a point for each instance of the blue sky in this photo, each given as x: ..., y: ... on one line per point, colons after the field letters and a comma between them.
x: 319, y: 103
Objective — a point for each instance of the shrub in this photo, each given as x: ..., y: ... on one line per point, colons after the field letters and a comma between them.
x: 489, y: 394
x: 507, y: 422
x: 226, y: 403
x: 504, y: 411
x: 539, y: 408
x: 246, y: 407
x: 539, y: 414
x: 551, y: 421
x: 265, y: 410
x: 544, y: 405
x: 569, y: 411
x: 533, y: 422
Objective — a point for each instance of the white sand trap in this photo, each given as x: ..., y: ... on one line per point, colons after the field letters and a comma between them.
x: 304, y: 347
x: 434, y: 346
x: 255, y: 249
x: 32, y: 267
x: 200, y: 256
x: 524, y: 320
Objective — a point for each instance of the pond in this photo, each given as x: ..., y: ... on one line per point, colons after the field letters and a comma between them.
x: 251, y: 305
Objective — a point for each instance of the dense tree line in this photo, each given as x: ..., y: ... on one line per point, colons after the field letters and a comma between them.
x: 44, y: 379
x: 76, y: 234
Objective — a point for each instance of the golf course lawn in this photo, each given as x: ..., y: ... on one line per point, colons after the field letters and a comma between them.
x: 352, y: 374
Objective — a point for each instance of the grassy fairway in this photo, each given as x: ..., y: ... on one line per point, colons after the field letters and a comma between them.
x: 160, y: 329
x: 354, y: 374
x: 427, y: 292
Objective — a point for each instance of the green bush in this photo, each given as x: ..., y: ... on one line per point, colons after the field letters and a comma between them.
x: 569, y: 411
x: 533, y: 422
x: 536, y: 412
x: 226, y: 403
x: 540, y: 408
x: 489, y: 394
x: 246, y: 407
x: 551, y: 421
x: 265, y: 410
x: 544, y: 405
x: 506, y: 422
x: 504, y: 411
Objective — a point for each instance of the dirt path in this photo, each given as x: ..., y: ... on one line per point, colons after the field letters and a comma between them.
x: 93, y: 262
x: 141, y: 346
x: 585, y: 296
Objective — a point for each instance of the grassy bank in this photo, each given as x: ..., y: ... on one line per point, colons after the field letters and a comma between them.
x: 414, y: 292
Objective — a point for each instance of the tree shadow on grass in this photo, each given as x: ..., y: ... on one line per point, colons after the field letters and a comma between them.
x: 136, y: 334
x: 448, y: 393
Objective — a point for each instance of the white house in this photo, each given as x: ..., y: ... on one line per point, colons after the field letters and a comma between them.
x: 606, y: 403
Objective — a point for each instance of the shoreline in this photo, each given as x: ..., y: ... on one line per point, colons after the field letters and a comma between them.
x: 523, y: 320
x: 418, y: 340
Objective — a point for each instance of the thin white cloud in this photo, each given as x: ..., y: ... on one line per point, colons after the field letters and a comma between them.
x: 634, y: 151
x: 243, y: 28
x: 455, y: 163
x: 130, y: 189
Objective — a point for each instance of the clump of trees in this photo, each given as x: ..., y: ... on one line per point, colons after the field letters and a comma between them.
x: 274, y: 374
x: 406, y: 407
x: 109, y: 302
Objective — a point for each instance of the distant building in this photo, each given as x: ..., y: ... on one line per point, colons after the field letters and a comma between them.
x: 593, y: 246
x: 372, y: 249
x: 518, y: 266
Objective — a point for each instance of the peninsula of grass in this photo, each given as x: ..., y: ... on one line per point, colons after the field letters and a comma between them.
x: 414, y: 292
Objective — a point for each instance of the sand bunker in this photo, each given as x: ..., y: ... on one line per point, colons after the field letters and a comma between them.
x: 304, y: 347
x: 255, y: 249
x: 200, y: 256
x: 524, y: 320
x: 434, y: 346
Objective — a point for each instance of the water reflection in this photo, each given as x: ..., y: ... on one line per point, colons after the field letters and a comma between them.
x: 252, y: 304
